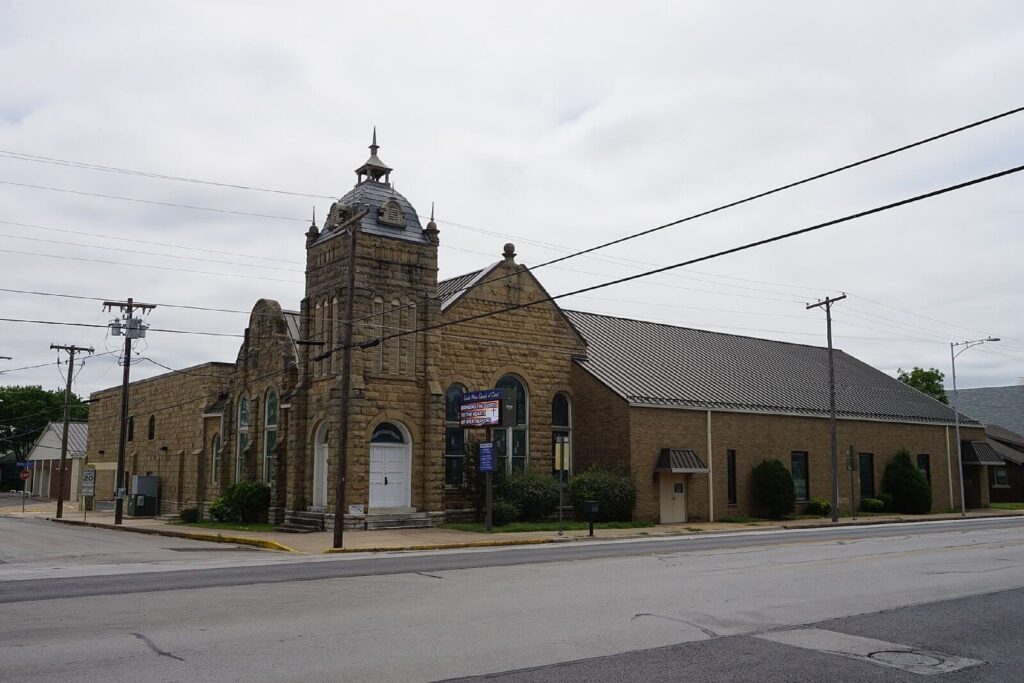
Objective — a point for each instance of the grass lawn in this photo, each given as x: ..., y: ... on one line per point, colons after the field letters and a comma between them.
x: 234, y: 526
x: 568, y: 525
x: 1007, y: 506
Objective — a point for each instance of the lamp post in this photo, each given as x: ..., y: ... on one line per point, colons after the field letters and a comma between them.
x: 956, y: 413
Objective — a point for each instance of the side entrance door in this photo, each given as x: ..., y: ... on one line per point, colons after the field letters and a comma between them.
x: 672, y: 495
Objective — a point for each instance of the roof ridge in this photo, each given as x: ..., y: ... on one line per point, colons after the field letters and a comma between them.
x: 698, y: 329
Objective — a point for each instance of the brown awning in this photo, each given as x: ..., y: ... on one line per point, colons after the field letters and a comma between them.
x: 680, y: 461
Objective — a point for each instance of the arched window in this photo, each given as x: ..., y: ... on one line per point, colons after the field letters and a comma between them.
x: 269, y: 434
x: 151, y: 431
x: 243, y: 435
x: 454, y: 436
x: 131, y: 429
x: 561, y: 432
x: 387, y: 433
x: 511, y: 441
x: 215, y: 460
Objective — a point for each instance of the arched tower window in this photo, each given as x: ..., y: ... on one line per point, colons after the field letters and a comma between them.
x: 511, y: 443
x: 243, y: 435
x: 151, y: 430
x: 215, y: 460
x: 387, y: 433
x: 131, y: 429
x: 454, y: 436
x: 561, y: 431
x: 270, y: 434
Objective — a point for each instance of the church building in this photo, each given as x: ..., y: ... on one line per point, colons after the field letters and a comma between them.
x: 686, y: 412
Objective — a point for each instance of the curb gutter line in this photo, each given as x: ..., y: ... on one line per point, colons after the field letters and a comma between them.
x: 216, y: 538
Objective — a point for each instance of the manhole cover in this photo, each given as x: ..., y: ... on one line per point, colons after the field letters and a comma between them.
x: 903, y: 659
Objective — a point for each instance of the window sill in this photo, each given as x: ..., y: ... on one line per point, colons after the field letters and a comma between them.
x: 1000, y: 486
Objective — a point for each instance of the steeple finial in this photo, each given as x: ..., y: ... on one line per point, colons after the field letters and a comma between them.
x: 373, y: 145
x: 373, y: 168
x: 431, y: 212
x: 431, y: 228
x: 314, y: 214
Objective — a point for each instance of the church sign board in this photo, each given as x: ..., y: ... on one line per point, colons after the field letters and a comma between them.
x: 480, y: 408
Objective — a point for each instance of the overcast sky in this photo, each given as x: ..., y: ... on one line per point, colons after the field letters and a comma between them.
x: 552, y: 125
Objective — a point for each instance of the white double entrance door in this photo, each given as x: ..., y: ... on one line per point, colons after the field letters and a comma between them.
x: 389, y: 475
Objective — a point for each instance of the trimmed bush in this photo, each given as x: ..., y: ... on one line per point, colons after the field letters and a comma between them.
x: 773, y: 488
x: 189, y: 515
x: 909, y: 489
x: 615, y: 494
x: 871, y: 505
x: 887, y: 502
x: 818, y: 506
x: 534, y: 494
x: 246, y: 501
x: 503, y: 512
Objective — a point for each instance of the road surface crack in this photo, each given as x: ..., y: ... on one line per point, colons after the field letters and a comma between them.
x: 154, y: 648
x: 431, y: 576
x: 706, y: 631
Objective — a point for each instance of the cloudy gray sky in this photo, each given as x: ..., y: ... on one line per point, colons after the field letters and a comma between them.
x: 552, y: 125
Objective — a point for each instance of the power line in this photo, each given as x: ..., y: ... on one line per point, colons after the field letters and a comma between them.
x: 718, y: 254
x: 151, y: 329
x: 745, y: 200
x: 149, y: 201
x: 149, y: 242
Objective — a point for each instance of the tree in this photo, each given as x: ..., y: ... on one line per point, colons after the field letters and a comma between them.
x: 773, y: 488
x: 25, y: 412
x: 908, y: 487
x: 926, y: 381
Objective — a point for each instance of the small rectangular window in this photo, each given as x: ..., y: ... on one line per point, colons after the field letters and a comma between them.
x: 801, y: 480
x: 924, y: 464
x: 730, y: 459
x: 1000, y: 477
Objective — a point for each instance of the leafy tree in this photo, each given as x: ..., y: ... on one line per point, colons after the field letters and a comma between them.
x: 25, y: 411
x: 906, y: 484
x: 773, y: 488
x: 926, y: 381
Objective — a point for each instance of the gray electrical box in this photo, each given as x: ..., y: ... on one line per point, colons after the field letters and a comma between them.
x: 144, y: 495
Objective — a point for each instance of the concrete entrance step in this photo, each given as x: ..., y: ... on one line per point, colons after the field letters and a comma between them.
x: 303, y: 523
x: 397, y: 520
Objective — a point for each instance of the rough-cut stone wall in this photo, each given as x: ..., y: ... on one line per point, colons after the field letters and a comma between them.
x: 536, y: 344
x: 176, y: 401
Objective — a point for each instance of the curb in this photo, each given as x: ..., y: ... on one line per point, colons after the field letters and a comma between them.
x: 944, y: 518
x: 215, y: 538
x: 451, y: 546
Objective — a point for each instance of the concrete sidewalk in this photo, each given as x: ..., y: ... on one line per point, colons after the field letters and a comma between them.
x: 441, y: 538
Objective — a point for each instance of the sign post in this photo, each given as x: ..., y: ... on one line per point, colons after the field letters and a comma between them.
x: 88, y: 489
x: 25, y: 474
x: 487, y: 467
x: 561, y: 465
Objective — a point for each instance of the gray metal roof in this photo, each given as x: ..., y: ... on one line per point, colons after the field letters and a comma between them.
x: 217, y: 407
x: 372, y: 195
x: 1006, y: 451
x: 452, y: 289
x: 663, y: 365
x: 679, y: 461
x: 1002, y: 406
x: 979, y: 453
x: 293, y: 319
x: 78, y: 437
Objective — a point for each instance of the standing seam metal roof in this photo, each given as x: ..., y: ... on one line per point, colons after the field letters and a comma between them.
x: 664, y: 365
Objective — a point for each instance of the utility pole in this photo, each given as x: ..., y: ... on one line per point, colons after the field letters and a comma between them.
x: 827, y: 303
x: 346, y: 367
x: 67, y: 416
x: 132, y: 328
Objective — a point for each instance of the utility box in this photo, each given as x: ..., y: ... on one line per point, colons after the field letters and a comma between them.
x: 144, y: 496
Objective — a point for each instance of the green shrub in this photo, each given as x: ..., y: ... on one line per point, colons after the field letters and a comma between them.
x: 503, y: 512
x: 887, y: 502
x: 534, y: 494
x: 615, y: 494
x: 189, y: 515
x: 818, y: 506
x: 773, y: 488
x: 909, y: 489
x: 246, y: 501
x: 871, y: 505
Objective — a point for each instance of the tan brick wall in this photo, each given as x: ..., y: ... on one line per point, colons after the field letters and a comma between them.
x: 600, y: 423
x: 757, y: 437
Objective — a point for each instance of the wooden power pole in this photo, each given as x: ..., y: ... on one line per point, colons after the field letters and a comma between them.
x: 827, y: 303
x: 67, y: 416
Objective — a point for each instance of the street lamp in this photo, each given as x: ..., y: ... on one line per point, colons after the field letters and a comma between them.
x: 956, y: 413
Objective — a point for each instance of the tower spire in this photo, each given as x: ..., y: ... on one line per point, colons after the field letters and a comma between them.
x: 373, y: 168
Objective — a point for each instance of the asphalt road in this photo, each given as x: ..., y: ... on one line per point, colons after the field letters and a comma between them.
x: 797, y: 605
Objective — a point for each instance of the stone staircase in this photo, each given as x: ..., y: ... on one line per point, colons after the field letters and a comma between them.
x: 303, y: 523
x: 402, y: 518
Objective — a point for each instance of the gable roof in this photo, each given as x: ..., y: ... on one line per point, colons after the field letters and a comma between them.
x: 78, y: 437
x: 453, y: 289
x: 656, y: 364
x: 1002, y: 406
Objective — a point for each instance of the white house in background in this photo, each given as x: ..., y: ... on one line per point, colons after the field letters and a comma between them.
x: 44, y: 459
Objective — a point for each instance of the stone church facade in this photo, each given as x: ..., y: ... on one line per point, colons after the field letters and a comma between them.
x: 417, y: 344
